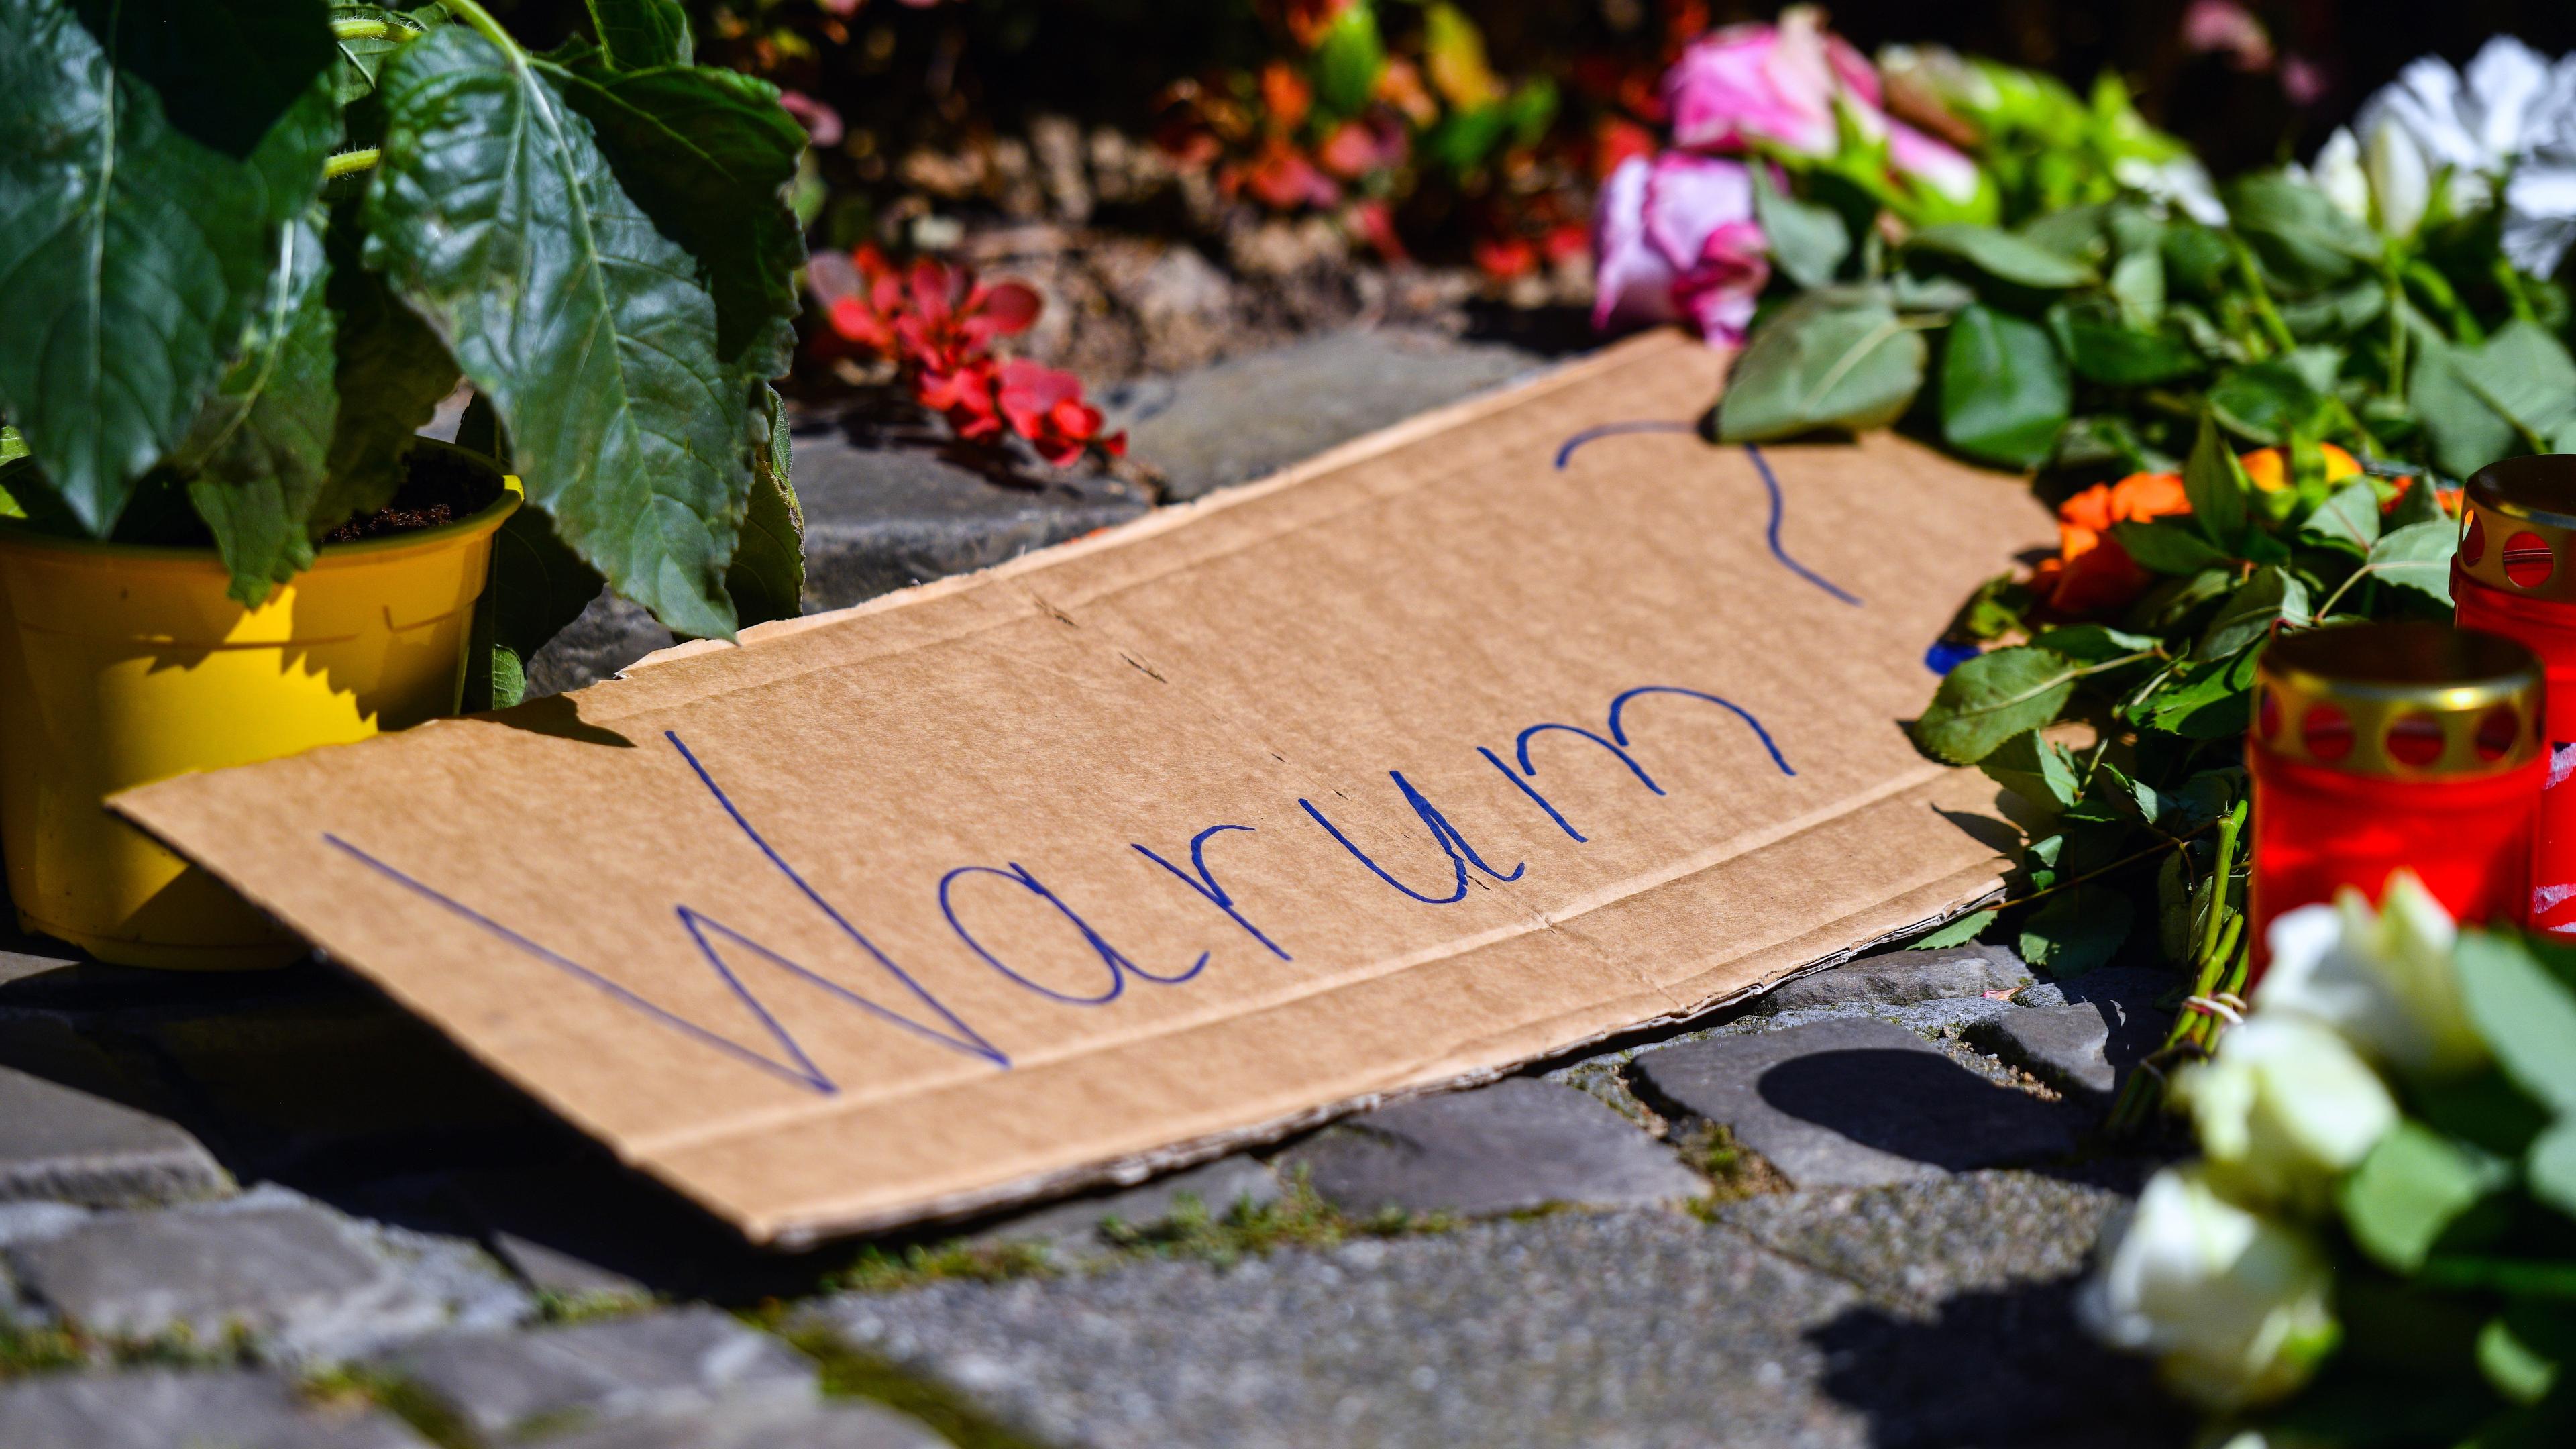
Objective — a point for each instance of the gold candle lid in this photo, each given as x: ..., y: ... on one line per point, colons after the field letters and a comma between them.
x: 2400, y: 701
x: 2517, y: 522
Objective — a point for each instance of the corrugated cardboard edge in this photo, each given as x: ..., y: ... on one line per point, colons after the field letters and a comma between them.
x: 1957, y: 894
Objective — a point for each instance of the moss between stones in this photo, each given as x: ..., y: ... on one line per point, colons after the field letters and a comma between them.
x: 39, y: 1348
x: 849, y: 1373
x: 1734, y: 1171
x: 1299, y: 1218
x: 427, y: 1413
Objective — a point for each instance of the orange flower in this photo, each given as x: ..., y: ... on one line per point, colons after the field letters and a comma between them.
x: 2092, y: 573
x: 2269, y: 468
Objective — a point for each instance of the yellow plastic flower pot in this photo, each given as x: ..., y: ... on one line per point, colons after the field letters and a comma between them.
x: 122, y: 664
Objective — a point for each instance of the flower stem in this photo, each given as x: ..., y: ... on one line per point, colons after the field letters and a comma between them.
x: 2270, y: 315
x: 485, y: 26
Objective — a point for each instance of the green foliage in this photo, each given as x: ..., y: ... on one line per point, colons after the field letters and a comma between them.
x: 1993, y: 698
x: 138, y: 229
x: 1838, y: 358
x: 205, y: 340
x: 256, y: 457
x: 2004, y: 388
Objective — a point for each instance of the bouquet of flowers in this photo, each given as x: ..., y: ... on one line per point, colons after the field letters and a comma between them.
x: 2377, y: 1243
x: 2244, y: 401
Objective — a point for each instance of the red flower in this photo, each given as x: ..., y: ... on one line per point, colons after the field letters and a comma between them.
x: 1281, y: 178
x: 937, y: 324
x: 1503, y: 258
x: 1045, y: 406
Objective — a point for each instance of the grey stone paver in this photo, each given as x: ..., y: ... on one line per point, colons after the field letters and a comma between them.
x: 1919, y: 1243
x: 62, y: 1139
x: 2082, y: 1036
x: 1897, y: 978
x: 1072, y: 1230
x: 1518, y: 1144
x: 565, y: 1275
x: 165, y: 1409
x: 1250, y: 416
x: 613, y: 1368
x: 2066, y: 1046
x: 304, y: 1282
x: 1639, y: 1328
x: 59, y: 1144
x: 845, y: 1425
x: 1855, y: 1103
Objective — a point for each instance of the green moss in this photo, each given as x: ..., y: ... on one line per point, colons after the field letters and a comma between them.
x: 427, y: 1413
x: 850, y: 1373
x: 1734, y: 1171
x: 33, y: 1349
x: 880, y: 1270
x: 570, y: 1308
x: 1297, y: 1219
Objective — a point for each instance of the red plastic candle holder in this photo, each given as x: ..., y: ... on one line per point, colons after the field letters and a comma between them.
x: 2516, y: 576
x: 2385, y: 746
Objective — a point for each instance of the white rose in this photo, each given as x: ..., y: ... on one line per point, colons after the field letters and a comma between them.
x: 2384, y: 980
x: 2233, y: 1306
x: 2283, y: 1109
x: 2337, y: 171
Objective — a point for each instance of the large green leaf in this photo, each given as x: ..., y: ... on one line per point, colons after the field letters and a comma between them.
x: 391, y: 373
x: 2526, y: 1014
x: 138, y: 210
x: 1808, y: 240
x: 2271, y: 596
x: 2038, y: 770
x: 257, y: 457
x: 2169, y: 546
x: 1990, y: 699
x: 2349, y: 518
x: 2413, y: 1185
x: 2303, y: 238
x: 537, y: 586
x: 767, y: 579
x: 641, y: 33
x: 2004, y: 389
x: 2525, y: 374
x: 2418, y: 556
x: 2216, y: 485
x: 2107, y: 350
x: 2467, y: 432
x: 496, y: 218
x: 1348, y: 60
x: 708, y: 154
x: 1832, y: 359
x: 2004, y: 256
x: 2077, y: 930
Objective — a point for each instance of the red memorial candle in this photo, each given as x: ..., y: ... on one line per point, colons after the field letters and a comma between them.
x: 2515, y: 576
x: 2377, y: 746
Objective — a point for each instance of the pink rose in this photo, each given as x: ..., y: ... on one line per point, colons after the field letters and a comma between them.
x: 1675, y: 238
x: 1933, y: 162
x: 1778, y: 83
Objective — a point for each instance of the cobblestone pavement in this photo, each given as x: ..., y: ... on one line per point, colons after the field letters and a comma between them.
x: 273, y: 1211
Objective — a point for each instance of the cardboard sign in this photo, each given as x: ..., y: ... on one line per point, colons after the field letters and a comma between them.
x: 1518, y: 725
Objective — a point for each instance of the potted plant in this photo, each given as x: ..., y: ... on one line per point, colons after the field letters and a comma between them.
x: 248, y: 246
